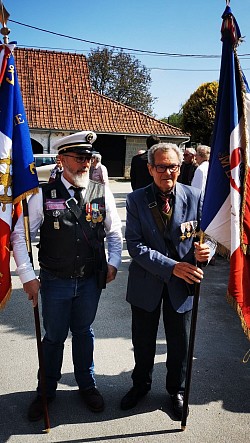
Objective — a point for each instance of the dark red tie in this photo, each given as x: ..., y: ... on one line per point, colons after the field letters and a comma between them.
x: 166, y: 203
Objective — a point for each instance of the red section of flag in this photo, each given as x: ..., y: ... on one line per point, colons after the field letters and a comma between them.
x: 246, y: 213
x: 5, y: 280
x: 239, y: 287
x: 3, y: 61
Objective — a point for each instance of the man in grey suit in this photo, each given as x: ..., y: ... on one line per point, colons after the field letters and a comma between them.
x: 162, y: 220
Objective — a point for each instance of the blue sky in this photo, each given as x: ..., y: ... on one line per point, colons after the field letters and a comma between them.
x: 170, y: 26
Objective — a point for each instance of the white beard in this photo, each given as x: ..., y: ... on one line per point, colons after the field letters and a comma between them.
x: 80, y: 179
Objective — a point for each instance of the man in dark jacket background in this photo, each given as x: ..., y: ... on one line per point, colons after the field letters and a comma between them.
x: 139, y: 174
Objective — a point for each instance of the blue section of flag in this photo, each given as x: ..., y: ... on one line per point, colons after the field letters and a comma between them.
x: 228, y: 114
x: 13, y: 123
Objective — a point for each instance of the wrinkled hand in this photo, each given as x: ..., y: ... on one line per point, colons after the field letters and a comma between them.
x: 189, y: 273
x: 201, y: 252
x: 112, y: 271
x: 32, y: 288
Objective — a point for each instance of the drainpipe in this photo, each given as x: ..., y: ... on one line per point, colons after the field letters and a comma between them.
x: 48, y: 147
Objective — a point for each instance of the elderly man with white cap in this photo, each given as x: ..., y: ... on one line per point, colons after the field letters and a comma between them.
x: 74, y: 215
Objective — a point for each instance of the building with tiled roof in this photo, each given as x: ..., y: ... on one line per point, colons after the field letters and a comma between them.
x: 59, y: 101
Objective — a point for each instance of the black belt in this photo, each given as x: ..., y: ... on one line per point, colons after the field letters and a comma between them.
x: 88, y: 271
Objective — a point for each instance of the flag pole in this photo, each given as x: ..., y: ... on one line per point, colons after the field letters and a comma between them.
x: 37, y: 323
x: 191, y: 348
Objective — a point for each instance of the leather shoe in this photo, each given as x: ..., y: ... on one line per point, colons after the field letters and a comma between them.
x: 93, y: 399
x: 177, y: 402
x: 131, y: 399
x: 35, y: 411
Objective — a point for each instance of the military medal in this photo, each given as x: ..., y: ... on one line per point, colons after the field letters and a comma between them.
x: 183, y: 228
x: 53, y: 193
x: 88, y: 212
x: 188, y: 229
x: 94, y: 213
x: 194, y: 226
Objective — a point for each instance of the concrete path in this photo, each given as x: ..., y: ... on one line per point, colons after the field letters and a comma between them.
x: 220, y: 390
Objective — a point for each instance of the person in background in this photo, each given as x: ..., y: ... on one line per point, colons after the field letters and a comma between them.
x: 141, y: 151
x: 161, y: 226
x: 202, y: 159
x: 74, y: 214
x: 98, y: 172
x: 200, y: 176
x: 57, y: 170
x: 139, y: 174
x: 188, y: 167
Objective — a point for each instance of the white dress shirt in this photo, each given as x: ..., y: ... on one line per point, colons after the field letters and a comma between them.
x: 112, y: 226
x: 200, y: 176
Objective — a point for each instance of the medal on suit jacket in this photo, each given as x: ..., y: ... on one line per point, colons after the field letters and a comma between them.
x: 194, y: 225
x: 188, y: 229
x: 183, y: 229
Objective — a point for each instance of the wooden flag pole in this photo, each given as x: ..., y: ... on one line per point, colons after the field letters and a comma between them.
x: 37, y: 324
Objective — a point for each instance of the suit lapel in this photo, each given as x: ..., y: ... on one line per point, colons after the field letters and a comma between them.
x: 156, y: 233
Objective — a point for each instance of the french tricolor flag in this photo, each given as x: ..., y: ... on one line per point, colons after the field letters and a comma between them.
x: 18, y: 177
x: 226, y: 209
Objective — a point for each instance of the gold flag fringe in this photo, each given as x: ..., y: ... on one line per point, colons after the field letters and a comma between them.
x: 6, y: 298
x: 25, y: 194
x: 245, y: 154
x: 17, y: 200
x: 231, y: 300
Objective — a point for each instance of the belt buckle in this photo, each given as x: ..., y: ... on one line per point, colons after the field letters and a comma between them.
x: 67, y: 202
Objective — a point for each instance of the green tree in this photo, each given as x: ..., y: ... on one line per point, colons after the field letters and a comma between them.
x: 121, y: 77
x: 199, y: 113
x: 174, y: 119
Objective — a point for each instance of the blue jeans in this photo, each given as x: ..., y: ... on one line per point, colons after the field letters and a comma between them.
x: 68, y: 304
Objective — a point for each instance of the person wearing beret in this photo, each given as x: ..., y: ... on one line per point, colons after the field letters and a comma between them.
x: 162, y: 221
x: 74, y: 215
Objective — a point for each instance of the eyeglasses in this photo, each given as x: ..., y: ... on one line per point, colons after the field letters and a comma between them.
x: 81, y: 159
x: 163, y: 168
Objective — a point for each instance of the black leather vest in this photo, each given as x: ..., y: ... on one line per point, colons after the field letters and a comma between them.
x: 66, y: 248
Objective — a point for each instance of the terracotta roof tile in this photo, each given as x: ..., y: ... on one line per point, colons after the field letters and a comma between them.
x: 57, y: 95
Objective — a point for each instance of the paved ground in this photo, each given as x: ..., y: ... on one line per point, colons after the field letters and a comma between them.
x: 220, y: 390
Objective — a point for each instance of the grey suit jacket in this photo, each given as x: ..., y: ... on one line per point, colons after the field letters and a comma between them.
x: 152, y: 265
